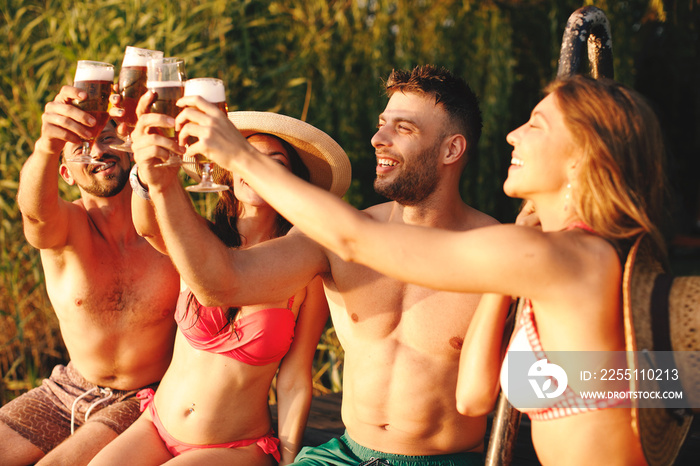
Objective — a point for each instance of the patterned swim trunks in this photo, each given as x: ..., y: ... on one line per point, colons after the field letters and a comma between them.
x: 65, y: 401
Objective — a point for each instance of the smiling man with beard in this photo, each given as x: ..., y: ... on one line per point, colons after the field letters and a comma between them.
x: 115, y: 166
x: 415, y: 181
x: 113, y: 294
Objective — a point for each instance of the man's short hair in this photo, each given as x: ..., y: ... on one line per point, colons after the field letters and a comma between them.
x: 450, y: 91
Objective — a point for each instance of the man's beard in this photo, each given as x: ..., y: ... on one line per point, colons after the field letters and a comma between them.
x: 415, y: 183
x: 111, y: 186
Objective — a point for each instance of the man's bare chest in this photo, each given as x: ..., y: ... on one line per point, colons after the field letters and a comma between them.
x: 112, y: 285
x: 368, y: 305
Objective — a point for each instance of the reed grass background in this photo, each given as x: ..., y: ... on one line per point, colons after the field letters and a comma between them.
x: 318, y: 60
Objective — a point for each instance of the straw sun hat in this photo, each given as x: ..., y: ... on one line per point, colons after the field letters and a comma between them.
x: 329, y: 166
x: 661, y: 313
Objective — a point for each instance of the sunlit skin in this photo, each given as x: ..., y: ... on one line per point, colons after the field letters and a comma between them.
x: 544, y: 155
x: 273, y: 149
x: 98, y: 180
x: 402, y: 342
x: 113, y: 294
x: 228, y: 398
x: 544, y: 158
x: 407, y: 149
x: 571, y: 276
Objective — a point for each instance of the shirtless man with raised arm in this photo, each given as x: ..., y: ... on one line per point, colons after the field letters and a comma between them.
x: 402, y: 342
x: 114, y: 296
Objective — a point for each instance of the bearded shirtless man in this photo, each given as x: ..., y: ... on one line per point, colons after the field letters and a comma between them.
x: 114, y: 296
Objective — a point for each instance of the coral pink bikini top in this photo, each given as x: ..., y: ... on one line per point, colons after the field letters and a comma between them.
x: 258, y: 339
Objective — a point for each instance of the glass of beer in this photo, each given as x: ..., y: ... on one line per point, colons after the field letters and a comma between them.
x: 211, y: 90
x: 132, y: 85
x: 166, y: 78
x: 95, y: 78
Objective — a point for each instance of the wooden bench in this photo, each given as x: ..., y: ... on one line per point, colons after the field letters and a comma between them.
x: 324, y: 419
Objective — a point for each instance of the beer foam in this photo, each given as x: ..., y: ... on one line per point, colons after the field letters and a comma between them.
x: 159, y: 84
x: 209, y: 89
x: 135, y: 56
x: 94, y: 73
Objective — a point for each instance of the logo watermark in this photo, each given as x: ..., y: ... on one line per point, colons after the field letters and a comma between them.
x: 645, y: 378
x: 554, y: 376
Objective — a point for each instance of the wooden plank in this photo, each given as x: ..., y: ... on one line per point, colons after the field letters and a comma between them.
x: 324, y: 419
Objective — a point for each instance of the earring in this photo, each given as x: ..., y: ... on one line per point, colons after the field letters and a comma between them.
x: 567, y: 197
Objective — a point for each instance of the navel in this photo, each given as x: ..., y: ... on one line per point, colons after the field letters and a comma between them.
x: 456, y: 342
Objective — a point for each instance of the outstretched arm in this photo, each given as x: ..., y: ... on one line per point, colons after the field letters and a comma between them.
x: 481, y: 260
x: 150, y: 148
x: 144, y: 217
x: 216, y: 274
x: 294, y: 384
x: 44, y: 213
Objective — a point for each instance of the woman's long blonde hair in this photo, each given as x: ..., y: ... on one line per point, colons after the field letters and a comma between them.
x: 620, y: 189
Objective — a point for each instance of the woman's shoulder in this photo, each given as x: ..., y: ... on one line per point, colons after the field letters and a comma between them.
x: 571, y: 263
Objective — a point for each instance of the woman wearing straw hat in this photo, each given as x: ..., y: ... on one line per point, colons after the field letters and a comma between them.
x: 590, y: 162
x: 212, y: 404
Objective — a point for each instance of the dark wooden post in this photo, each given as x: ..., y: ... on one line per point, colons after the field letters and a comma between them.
x: 587, y: 33
x: 504, y: 433
x: 506, y: 421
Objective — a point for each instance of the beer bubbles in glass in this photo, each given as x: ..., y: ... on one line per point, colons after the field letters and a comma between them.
x: 132, y: 85
x: 211, y: 90
x: 166, y: 78
x: 95, y: 78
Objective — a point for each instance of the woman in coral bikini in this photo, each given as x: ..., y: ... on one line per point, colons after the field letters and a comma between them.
x: 589, y: 162
x: 211, y: 406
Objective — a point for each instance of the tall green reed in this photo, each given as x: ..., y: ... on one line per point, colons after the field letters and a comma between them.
x: 319, y: 60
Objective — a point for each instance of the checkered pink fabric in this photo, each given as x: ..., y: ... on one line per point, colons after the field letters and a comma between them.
x: 569, y: 402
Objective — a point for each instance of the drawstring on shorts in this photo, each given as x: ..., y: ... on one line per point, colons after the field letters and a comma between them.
x: 104, y: 392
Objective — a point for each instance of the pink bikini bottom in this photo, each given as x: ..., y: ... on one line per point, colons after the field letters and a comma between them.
x: 269, y: 444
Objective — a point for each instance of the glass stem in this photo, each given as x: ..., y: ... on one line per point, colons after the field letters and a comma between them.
x: 206, y: 173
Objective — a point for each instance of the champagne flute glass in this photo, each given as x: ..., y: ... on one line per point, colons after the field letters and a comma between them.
x: 95, y: 78
x: 212, y: 90
x: 166, y: 78
x: 132, y: 85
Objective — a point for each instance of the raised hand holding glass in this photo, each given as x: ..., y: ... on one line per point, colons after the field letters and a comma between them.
x: 211, y: 90
x: 166, y: 78
x: 95, y: 78
x: 132, y: 85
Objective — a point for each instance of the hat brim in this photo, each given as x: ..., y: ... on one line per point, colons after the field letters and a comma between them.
x: 191, y: 168
x: 328, y: 164
x: 661, y: 433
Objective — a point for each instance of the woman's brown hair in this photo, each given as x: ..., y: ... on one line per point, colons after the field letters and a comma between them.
x: 620, y: 189
x: 227, y: 210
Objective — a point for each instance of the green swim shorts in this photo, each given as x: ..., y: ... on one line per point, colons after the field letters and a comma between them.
x: 344, y: 451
